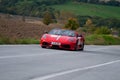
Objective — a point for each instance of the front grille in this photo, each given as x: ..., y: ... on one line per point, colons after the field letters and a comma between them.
x: 65, y: 46
x: 45, y: 43
x: 55, y: 46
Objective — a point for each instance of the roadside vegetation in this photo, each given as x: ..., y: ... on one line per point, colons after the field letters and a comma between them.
x: 95, y: 39
x: 20, y: 32
x: 100, y: 24
x: 5, y: 40
x: 17, y: 31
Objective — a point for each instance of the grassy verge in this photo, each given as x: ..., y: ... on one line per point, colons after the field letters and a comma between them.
x: 18, y: 41
x: 89, y: 40
x: 86, y: 9
x: 102, y: 40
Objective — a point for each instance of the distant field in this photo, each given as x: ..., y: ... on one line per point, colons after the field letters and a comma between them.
x: 95, y: 39
x: 90, y: 9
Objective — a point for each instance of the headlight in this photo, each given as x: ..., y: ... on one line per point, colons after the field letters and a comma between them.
x: 71, y: 39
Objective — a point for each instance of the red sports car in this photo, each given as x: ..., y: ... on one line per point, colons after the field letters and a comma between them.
x: 64, y: 39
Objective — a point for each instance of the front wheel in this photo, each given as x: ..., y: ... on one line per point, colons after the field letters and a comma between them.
x: 82, y: 47
x: 76, y: 46
x: 43, y: 46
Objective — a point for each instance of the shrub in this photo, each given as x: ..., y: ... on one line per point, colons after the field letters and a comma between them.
x: 119, y: 31
x: 47, y: 18
x: 72, y: 24
x: 102, y: 40
x: 103, y: 30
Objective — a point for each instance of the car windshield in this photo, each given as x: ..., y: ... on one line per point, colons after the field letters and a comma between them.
x: 62, y: 32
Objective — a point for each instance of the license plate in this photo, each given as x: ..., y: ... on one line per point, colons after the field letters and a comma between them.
x: 56, y: 43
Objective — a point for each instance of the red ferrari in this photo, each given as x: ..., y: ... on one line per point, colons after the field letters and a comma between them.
x: 63, y: 39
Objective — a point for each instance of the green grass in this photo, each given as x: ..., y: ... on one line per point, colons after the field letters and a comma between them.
x: 5, y: 40
x: 86, y: 9
x: 89, y: 40
x: 102, y: 40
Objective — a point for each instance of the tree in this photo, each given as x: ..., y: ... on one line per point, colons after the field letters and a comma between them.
x: 63, y: 17
x: 28, y: 7
x: 94, y: 1
x: 113, y: 3
x: 89, y: 26
x: 119, y: 31
x: 72, y: 24
x: 81, y: 0
x: 88, y: 22
x: 47, y: 18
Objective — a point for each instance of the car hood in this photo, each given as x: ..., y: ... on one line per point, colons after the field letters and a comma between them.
x: 58, y: 38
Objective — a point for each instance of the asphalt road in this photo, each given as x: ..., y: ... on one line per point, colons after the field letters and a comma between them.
x: 31, y: 62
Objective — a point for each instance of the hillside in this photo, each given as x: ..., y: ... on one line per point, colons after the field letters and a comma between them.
x: 14, y: 30
x: 39, y: 7
x: 87, y: 9
x: 108, y: 0
x: 22, y: 28
x: 28, y: 7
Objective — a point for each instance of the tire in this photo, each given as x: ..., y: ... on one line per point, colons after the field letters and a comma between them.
x: 43, y: 46
x: 76, y: 46
x: 82, y: 47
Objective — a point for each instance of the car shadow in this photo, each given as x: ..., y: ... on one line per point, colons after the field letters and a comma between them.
x: 88, y: 52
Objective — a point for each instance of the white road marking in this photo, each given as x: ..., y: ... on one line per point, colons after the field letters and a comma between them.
x: 30, y: 55
x: 17, y: 56
x: 74, y: 70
